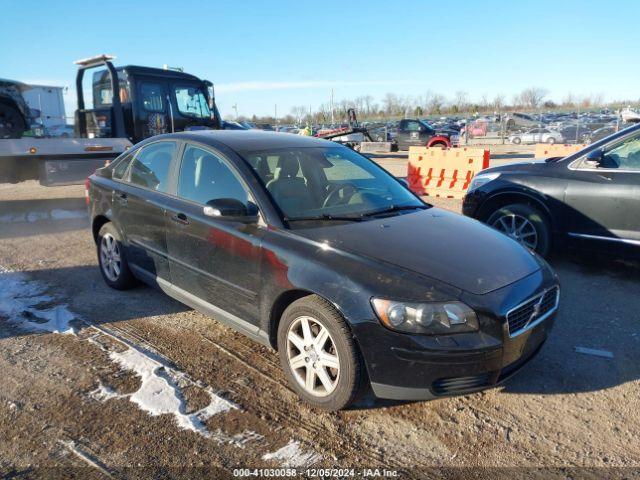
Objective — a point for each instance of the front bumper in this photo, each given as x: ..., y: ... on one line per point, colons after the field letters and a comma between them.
x: 419, y: 367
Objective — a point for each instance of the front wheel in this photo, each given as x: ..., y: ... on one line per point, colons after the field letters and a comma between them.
x: 516, y: 140
x: 525, y: 224
x: 551, y: 140
x: 318, y: 354
x: 112, y: 259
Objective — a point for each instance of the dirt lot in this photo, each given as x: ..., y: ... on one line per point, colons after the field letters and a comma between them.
x: 135, y: 384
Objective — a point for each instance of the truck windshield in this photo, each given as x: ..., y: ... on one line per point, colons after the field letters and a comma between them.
x: 329, y: 183
x: 192, y: 102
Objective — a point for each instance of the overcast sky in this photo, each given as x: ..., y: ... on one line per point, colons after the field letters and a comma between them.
x: 286, y: 53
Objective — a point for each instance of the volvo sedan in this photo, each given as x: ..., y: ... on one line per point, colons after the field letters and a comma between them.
x: 314, y: 250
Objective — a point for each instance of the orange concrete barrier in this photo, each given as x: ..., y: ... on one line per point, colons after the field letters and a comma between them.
x: 546, y: 150
x: 439, y: 172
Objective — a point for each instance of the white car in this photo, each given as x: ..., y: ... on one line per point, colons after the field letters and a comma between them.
x: 537, y: 135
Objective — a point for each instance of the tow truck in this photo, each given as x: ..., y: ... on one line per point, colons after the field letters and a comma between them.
x: 130, y: 103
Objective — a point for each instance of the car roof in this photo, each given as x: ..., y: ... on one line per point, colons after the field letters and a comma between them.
x: 250, y: 140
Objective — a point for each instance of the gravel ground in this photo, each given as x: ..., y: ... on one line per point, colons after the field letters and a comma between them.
x: 146, y: 387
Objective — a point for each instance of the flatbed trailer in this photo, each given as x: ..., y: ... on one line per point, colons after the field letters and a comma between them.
x: 56, y: 161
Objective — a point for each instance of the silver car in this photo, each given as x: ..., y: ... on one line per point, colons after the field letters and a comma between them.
x: 537, y: 135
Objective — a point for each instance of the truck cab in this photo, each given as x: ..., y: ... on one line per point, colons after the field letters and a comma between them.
x: 415, y: 132
x: 150, y: 101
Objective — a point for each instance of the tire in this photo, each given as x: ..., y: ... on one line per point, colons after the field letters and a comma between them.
x: 119, y: 278
x: 516, y: 140
x: 503, y: 218
x: 551, y: 140
x: 347, y: 381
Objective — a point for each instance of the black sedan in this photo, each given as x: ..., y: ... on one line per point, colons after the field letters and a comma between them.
x: 314, y: 250
x: 589, y: 199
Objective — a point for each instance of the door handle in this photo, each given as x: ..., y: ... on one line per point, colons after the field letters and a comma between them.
x: 121, y: 197
x: 180, y: 218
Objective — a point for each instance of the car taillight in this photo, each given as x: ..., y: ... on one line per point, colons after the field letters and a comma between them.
x: 86, y: 190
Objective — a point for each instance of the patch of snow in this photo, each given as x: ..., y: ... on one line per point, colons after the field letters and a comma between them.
x: 104, y: 393
x: 292, y: 456
x: 159, y: 392
x: 59, y: 214
x: 20, y: 299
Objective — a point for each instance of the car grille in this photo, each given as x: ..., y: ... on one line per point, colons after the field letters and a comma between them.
x: 526, y: 315
x: 456, y: 385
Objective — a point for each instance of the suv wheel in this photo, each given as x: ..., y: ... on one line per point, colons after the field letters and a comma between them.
x: 525, y: 224
x: 318, y: 354
x: 112, y: 259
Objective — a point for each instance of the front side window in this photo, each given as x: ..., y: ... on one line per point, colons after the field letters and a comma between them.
x: 205, y: 177
x: 625, y: 155
x: 327, y: 181
x: 412, y: 127
x: 152, y: 97
x: 152, y: 165
x: 192, y: 102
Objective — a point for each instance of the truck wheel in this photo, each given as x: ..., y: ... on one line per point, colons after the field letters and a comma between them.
x: 525, y: 224
x: 11, y: 123
x: 318, y: 354
x: 112, y: 259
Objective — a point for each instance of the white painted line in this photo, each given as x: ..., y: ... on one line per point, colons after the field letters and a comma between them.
x: 594, y: 352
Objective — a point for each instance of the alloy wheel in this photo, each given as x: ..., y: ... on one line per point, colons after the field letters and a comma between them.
x: 110, y: 257
x: 312, y: 356
x: 519, y: 228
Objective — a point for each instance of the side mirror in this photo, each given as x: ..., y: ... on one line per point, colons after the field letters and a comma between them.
x: 594, y: 158
x: 230, y: 208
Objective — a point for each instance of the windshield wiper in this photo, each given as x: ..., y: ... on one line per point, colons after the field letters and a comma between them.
x: 394, y: 208
x: 325, y: 216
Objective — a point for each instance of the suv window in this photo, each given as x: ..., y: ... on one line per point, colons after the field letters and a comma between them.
x: 192, y: 102
x: 120, y: 168
x: 412, y: 126
x: 152, y: 100
x: 205, y: 177
x: 151, y: 166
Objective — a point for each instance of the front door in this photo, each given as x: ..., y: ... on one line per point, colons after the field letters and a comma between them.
x: 153, y: 109
x: 211, y: 258
x: 604, y: 201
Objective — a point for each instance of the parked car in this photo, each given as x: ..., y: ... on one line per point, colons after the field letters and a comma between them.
x: 413, y: 132
x: 314, y: 250
x: 599, y: 134
x: 537, y: 135
x: 590, y: 198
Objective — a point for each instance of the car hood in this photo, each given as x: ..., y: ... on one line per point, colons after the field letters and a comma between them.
x: 435, y: 243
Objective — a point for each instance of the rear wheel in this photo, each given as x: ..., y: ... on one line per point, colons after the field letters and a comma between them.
x: 525, y: 224
x: 318, y: 354
x: 112, y: 259
x: 551, y: 140
x: 516, y: 140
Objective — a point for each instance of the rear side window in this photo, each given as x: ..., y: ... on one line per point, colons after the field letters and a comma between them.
x: 205, y: 177
x: 151, y: 166
x: 121, y: 167
x: 152, y: 98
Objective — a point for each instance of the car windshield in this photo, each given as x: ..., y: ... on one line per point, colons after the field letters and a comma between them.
x: 331, y: 183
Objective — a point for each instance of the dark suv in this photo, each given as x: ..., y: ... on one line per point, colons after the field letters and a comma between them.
x: 589, y: 199
x: 310, y: 248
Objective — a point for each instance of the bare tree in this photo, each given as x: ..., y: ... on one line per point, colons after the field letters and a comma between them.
x: 532, y: 97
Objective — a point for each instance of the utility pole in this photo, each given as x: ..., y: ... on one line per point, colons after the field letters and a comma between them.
x: 275, y: 114
x: 235, y: 107
x: 331, y: 102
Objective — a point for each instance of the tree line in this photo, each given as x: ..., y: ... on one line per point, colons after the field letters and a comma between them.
x: 393, y: 106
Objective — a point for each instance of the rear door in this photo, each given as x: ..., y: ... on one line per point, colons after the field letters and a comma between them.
x: 605, y: 201
x: 214, y: 259
x: 139, y: 204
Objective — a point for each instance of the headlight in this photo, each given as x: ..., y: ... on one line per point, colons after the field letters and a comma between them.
x: 482, y: 179
x: 427, y: 318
